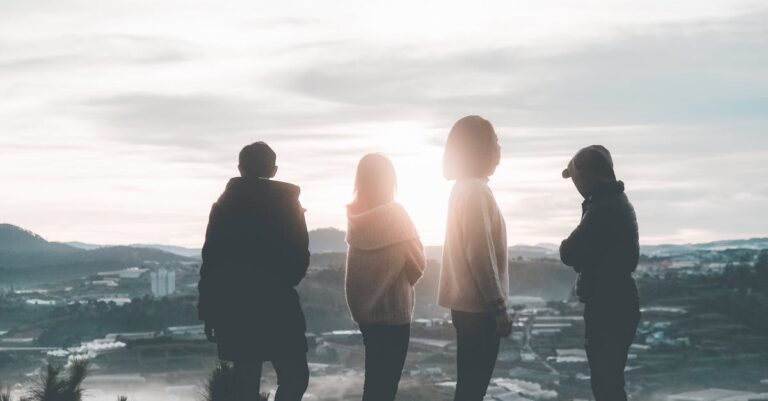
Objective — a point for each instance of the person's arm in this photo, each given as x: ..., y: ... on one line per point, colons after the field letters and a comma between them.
x: 415, y: 261
x: 481, y: 252
x: 296, y: 241
x: 207, y: 286
x: 579, y: 250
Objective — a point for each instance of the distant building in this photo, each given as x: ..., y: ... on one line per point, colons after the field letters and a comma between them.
x: 163, y: 282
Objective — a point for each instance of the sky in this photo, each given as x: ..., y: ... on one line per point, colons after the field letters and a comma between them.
x: 120, y: 121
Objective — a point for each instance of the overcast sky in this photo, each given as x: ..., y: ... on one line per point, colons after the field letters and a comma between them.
x: 120, y: 121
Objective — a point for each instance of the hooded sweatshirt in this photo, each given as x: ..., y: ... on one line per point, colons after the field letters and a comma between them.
x: 385, y: 259
x: 255, y: 253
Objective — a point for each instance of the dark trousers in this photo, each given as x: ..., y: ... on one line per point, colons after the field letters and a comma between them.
x: 292, y: 378
x: 385, y: 349
x: 477, y: 350
x: 610, y: 333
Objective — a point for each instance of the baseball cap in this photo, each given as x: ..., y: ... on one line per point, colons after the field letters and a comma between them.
x: 595, y: 158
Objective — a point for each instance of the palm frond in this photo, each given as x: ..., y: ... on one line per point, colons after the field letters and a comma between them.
x: 6, y: 395
x: 73, y: 386
x: 50, y: 386
x: 47, y: 386
x: 220, y: 385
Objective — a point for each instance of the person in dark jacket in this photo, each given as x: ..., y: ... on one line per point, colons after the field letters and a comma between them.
x: 604, y: 251
x: 256, y: 251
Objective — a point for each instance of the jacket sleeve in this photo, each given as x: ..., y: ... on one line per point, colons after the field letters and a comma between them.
x: 212, y: 252
x: 481, y: 251
x: 296, y: 245
x: 580, y: 249
x: 415, y: 261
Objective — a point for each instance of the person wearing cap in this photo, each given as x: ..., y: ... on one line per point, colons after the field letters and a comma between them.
x: 604, y: 251
x: 256, y: 252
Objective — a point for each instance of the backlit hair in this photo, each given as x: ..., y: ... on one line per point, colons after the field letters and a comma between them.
x: 375, y: 182
x: 472, y: 149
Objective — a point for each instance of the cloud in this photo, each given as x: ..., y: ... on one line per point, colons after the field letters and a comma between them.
x: 166, y: 119
x: 704, y: 71
x: 90, y: 50
x: 150, y: 108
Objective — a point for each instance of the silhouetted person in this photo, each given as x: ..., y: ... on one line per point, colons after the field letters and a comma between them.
x: 255, y: 253
x: 385, y: 259
x: 604, y: 250
x: 474, y: 280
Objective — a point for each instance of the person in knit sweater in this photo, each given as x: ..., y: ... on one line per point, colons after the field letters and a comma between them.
x: 385, y: 259
x: 474, y: 281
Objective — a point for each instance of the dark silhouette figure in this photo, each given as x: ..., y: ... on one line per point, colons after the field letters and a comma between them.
x: 385, y: 259
x: 474, y: 280
x: 604, y: 250
x: 255, y: 253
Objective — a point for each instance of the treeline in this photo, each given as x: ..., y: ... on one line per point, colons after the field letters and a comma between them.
x: 739, y: 293
x: 69, y: 325
x: 747, y: 300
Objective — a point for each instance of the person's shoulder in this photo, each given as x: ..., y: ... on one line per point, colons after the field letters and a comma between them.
x: 399, y: 210
x: 472, y: 192
x: 286, y: 188
x: 402, y: 215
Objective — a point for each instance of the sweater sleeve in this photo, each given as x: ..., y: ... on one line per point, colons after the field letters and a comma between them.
x: 481, y: 251
x: 415, y: 262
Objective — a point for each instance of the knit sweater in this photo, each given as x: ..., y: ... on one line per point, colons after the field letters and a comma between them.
x: 385, y: 259
x: 474, y: 275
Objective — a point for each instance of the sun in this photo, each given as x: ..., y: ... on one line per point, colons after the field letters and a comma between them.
x: 424, y: 192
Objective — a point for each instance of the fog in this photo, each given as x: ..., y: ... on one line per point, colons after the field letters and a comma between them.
x: 326, y: 386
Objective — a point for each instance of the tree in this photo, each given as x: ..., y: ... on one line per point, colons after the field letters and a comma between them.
x: 49, y: 386
x: 221, y: 384
x: 6, y: 395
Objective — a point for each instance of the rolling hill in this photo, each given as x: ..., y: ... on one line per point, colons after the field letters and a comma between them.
x: 28, y: 258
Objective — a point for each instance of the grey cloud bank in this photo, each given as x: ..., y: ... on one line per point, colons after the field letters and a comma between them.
x: 171, y: 98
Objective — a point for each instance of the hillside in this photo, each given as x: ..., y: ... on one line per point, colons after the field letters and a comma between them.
x: 15, y: 239
x: 321, y: 240
x: 27, y: 258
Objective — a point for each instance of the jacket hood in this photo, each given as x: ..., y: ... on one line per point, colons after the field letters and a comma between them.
x: 379, y: 227
x: 250, y: 190
x: 608, y: 188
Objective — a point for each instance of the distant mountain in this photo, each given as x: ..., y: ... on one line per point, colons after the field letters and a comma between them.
x: 26, y: 257
x: 682, y: 249
x: 321, y: 240
x: 332, y: 240
x: 18, y: 240
x: 176, y: 250
x: 324, y: 240
x: 533, y: 252
x: 83, y: 245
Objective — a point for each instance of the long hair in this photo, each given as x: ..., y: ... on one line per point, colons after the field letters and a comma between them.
x: 472, y: 149
x: 375, y: 182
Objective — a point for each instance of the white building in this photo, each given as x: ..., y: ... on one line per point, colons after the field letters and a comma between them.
x: 163, y: 282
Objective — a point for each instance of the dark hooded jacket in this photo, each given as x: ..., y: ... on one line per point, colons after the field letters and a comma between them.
x: 604, y: 250
x: 255, y: 253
